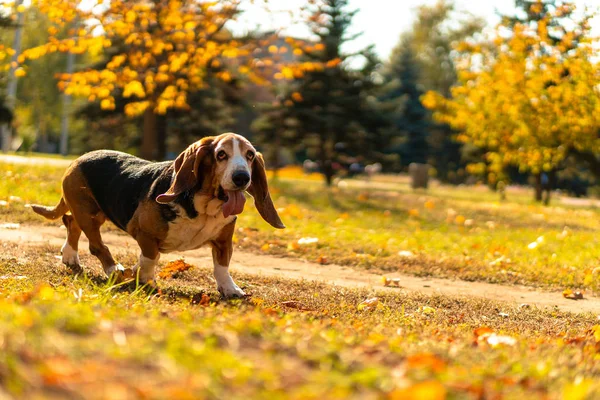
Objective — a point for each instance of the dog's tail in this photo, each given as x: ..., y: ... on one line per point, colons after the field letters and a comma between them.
x: 51, y: 212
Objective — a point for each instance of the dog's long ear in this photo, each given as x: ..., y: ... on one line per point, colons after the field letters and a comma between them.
x: 188, y: 170
x: 259, y: 189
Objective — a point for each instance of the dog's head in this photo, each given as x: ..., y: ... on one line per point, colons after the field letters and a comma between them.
x: 228, y: 165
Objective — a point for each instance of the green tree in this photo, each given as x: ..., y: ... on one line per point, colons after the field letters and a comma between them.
x: 431, y: 41
x: 411, y: 119
x: 327, y: 98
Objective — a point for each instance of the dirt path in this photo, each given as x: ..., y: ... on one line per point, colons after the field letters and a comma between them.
x: 330, y: 274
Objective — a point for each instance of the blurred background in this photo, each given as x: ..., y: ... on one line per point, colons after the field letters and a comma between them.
x: 503, y: 92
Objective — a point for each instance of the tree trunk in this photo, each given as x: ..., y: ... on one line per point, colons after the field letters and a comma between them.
x: 161, y: 135
x: 327, y: 168
x: 551, y: 181
x: 538, y: 187
x: 149, y: 147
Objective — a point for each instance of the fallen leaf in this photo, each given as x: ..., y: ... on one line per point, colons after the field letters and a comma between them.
x: 295, y: 305
x: 270, y: 311
x: 10, y: 226
x: 307, y: 240
x: 58, y: 371
x: 205, y: 300
x: 426, y: 310
x: 369, y: 304
x: 460, y: 220
x: 390, y: 281
x: 426, y: 360
x: 174, y: 268
x: 322, y: 260
x: 571, y: 295
x: 406, y: 254
x: 430, y: 204
x: 486, y: 335
x: 500, y: 340
x: 483, y: 330
x: 292, y: 246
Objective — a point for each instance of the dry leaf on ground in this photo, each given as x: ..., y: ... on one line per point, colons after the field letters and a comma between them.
x: 173, y: 268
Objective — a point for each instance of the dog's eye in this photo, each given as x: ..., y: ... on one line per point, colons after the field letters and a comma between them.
x: 221, y: 155
x: 250, y: 155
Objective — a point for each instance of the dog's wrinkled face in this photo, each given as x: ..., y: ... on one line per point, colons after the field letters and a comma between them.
x: 226, y: 165
x: 233, y: 156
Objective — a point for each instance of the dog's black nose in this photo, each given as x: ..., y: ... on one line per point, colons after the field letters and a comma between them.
x: 240, y: 178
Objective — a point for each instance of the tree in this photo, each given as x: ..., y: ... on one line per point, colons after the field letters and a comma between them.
x: 429, y: 43
x: 327, y: 98
x: 529, y: 99
x: 159, y: 51
x: 410, y: 118
x: 6, y: 23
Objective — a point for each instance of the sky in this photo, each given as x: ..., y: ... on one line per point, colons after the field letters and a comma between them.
x: 381, y: 21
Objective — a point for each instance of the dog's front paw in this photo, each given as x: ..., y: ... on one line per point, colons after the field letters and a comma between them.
x: 231, y: 291
x: 70, y: 258
x: 119, y: 273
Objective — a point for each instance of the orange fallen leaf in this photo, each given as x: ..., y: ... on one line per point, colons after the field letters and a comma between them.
x: 413, y: 212
x: 205, y: 300
x: 427, y: 361
x: 270, y: 311
x: 295, y: 305
x: 173, y: 268
x: 571, y: 295
x: 58, y: 371
x: 484, y: 330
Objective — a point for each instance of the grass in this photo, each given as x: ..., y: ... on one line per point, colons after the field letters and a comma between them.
x: 459, y: 232
x: 63, y: 337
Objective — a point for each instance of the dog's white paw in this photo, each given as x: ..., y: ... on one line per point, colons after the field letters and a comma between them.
x: 225, y: 285
x: 146, y: 267
x: 231, y: 291
x: 70, y: 256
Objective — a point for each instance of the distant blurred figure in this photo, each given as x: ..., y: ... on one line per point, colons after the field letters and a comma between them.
x: 355, y: 169
x: 372, y: 170
x: 310, y: 166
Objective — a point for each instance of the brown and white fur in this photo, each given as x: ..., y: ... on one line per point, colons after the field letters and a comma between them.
x: 164, y: 206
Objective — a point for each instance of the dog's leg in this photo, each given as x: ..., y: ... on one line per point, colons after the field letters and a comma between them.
x: 222, y: 249
x: 149, y: 257
x: 90, y: 225
x: 70, y: 257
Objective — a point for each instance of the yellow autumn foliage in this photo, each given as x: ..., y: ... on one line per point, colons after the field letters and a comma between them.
x: 524, y: 99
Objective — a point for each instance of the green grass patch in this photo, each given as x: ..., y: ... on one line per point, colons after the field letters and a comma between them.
x: 457, y: 232
x: 65, y: 337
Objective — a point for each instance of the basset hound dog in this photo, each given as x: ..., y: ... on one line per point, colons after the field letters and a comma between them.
x: 165, y: 206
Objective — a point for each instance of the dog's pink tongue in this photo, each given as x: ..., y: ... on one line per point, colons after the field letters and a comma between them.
x: 234, y: 204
